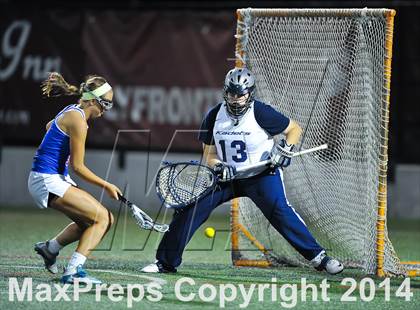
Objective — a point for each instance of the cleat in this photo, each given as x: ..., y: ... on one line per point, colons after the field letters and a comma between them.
x: 81, y: 276
x: 41, y: 248
x: 158, y: 268
x: 323, y: 262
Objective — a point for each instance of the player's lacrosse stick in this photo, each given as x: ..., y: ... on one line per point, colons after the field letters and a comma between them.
x: 142, y: 219
x: 181, y: 184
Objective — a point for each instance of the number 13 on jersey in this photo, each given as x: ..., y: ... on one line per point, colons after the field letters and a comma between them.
x: 236, y: 149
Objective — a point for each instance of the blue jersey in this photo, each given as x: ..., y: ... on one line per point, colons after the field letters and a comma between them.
x: 245, y: 142
x: 53, y: 154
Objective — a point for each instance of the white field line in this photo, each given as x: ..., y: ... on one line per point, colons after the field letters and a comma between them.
x: 151, y: 279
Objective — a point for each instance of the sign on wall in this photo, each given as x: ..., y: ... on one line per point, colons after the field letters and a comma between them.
x: 167, y: 70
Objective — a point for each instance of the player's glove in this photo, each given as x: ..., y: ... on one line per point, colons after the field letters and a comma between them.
x: 225, y: 172
x: 281, y: 154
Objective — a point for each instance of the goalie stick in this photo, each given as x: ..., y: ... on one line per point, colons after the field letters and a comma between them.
x: 181, y: 184
x: 142, y: 219
x: 244, y: 170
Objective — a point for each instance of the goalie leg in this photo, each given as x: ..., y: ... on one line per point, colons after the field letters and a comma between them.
x: 276, y: 208
x: 184, y: 224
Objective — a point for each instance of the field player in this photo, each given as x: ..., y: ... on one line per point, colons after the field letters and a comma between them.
x: 51, y: 186
x: 236, y: 133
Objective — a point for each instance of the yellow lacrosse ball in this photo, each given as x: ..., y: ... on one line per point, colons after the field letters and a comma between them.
x: 209, y: 232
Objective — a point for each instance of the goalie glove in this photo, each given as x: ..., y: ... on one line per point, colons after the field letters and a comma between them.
x: 281, y: 154
x: 225, y: 172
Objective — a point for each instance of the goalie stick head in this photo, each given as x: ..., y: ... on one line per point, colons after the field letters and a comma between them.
x: 238, y: 91
x: 180, y: 185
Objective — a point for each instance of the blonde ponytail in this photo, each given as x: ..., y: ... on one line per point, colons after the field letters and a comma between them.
x: 55, y: 85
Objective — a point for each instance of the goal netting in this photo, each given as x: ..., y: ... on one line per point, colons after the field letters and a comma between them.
x: 328, y: 69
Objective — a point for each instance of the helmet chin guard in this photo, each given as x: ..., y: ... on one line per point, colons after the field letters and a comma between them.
x: 238, y: 83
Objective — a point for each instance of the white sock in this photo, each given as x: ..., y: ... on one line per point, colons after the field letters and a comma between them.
x: 54, y: 247
x: 76, y: 259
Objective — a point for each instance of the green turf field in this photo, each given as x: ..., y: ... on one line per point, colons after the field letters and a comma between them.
x: 126, y: 249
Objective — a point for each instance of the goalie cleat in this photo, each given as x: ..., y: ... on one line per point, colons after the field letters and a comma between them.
x: 158, y: 268
x: 49, y: 258
x: 324, y: 262
x: 81, y: 276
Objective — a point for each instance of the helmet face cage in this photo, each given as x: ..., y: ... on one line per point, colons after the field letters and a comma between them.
x: 238, y: 83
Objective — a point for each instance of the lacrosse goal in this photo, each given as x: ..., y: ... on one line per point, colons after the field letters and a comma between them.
x: 330, y: 70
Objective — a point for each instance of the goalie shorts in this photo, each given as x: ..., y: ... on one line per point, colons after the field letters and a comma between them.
x: 40, y: 185
x: 266, y: 191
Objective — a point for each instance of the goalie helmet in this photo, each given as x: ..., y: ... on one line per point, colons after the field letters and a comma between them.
x: 238, y: 82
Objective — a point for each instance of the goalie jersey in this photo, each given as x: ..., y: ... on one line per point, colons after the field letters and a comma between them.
x: 244, y: 142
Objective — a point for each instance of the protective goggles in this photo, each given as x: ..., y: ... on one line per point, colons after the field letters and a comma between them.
x: 96, y: 95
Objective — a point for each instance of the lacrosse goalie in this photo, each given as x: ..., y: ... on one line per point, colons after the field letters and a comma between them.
x: 236, y: 133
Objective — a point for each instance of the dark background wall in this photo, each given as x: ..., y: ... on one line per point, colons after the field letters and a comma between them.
x: 405, y: 97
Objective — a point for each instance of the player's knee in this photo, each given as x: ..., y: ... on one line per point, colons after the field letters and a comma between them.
x: 102, y: 218
x: 106, y: 219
